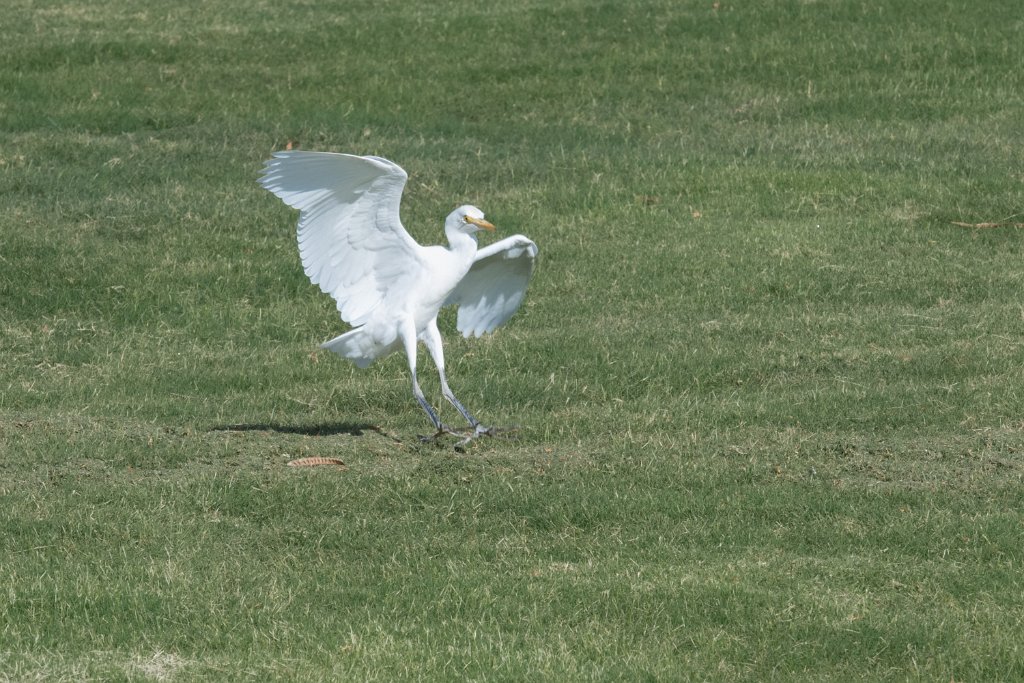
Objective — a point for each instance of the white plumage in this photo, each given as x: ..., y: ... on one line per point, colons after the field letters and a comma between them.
x: 388, y: 287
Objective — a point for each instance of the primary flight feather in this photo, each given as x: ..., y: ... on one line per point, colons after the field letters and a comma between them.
x: 386, y: 285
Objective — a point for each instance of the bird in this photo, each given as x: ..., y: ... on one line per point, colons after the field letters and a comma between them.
x: 389, y: 288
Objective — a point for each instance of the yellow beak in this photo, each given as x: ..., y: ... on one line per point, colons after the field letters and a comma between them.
x: 480, y: 223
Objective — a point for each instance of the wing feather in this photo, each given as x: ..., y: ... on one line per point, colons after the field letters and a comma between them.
x: 495, y: 285
x: 350, y: 235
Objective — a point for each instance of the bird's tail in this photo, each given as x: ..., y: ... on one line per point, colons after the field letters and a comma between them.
x: 358, y: 346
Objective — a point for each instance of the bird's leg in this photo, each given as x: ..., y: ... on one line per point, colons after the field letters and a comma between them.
x: 474, y: 424
x: 409, y: 342
x: 447, y: 393
x: 432, y: 340
x: 431, y: 413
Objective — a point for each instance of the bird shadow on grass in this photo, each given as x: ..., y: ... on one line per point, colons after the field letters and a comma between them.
x: 323, y: 429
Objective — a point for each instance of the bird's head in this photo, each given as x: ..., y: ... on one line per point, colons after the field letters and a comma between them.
x: 467, y: 219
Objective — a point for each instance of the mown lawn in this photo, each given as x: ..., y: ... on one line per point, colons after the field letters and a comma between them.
x: 769, y: 396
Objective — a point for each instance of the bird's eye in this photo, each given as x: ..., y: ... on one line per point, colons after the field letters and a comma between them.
x: 466, y: 219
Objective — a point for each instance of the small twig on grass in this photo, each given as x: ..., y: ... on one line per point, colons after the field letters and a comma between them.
x: 988, y: 225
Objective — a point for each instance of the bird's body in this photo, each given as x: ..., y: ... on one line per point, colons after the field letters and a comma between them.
x: 388, y: 287
x: 380, y: 335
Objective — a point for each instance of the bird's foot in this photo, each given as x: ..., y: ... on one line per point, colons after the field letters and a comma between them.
x: 480, y: 430
x: 467, y: 435
x: 442, y: 430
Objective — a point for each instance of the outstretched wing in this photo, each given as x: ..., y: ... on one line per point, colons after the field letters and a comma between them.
x: 494, y: 286
x: 351, y: 238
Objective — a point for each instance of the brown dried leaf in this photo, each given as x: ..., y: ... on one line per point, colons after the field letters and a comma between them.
x: 317, y: 460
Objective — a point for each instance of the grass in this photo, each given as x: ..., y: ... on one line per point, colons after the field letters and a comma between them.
x: 769, y: 396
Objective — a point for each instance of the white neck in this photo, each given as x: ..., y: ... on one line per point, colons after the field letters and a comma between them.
x: 459, y: 241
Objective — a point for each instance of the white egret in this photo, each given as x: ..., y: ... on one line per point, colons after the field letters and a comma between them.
x: 388, y: 287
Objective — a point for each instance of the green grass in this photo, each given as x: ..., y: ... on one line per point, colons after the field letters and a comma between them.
x: 770, y: 398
